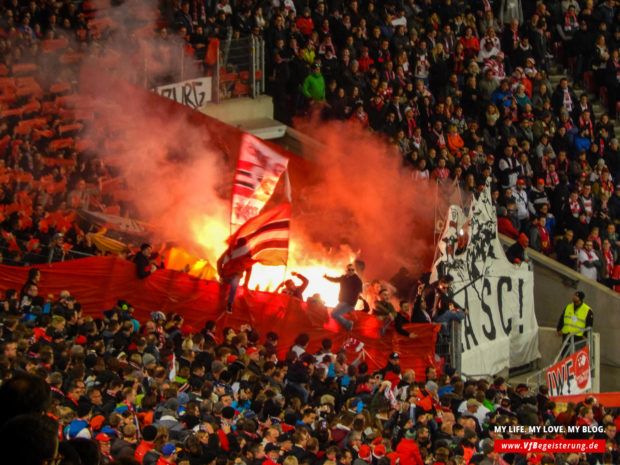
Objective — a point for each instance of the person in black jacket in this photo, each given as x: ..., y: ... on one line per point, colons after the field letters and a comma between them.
x: 566, y: 250
x: 291, y: 288
x: 144, y: 267
x: 350, y: 290
x: 298, y: 376
x: 420, y: 313
x: 404, y: 317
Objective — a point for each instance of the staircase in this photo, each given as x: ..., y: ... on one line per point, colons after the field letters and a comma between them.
x: 557, y: 72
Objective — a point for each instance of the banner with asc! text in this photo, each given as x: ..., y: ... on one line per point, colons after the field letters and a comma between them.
x: 501, y: 330
x: 571, y: 375
x: 194, y: 93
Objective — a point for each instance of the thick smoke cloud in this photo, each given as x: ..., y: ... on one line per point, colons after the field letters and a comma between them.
x: 358, y: 199
x: 365, y: 198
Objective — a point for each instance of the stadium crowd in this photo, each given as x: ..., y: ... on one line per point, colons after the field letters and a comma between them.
x: 459, y: 89
x: 86, y: 390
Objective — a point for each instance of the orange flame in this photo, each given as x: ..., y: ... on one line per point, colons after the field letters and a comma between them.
x: 305, y: 257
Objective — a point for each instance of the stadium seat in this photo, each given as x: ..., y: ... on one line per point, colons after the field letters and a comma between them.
x: 24, y: 68
x: 228, y: 77
x: 558, y: 51
x: 588, y: 81
x: 240, y: 89
x: 602, y: 95
x: 60, y: 87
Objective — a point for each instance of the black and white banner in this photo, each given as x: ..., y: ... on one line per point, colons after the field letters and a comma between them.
x: 194, y: 93
x: 501, y: 329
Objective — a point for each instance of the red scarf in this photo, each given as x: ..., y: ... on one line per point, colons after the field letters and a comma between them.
x: 570, y: 22
x: 586, y: 125
x: 410, y: 127
x: 552, y: 179
x: 609, y: 263
x: 544, y: 238
x: 441, y: 140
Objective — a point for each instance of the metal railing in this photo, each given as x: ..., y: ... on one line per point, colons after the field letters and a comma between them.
x: 570, y: 345
x: 241, y: 68
x: 449, y: 345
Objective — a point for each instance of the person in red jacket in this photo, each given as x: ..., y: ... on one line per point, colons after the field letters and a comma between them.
x: 504, y: 225
x: 168, y: 455
x: 305, y: 23
x: 409, y: 450
x: 272, y: 454
x: 360, y: 116
x: 148, y: 436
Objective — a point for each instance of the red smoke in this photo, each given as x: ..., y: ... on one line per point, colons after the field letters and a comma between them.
x: 362, y: 196
x: 355, y: 196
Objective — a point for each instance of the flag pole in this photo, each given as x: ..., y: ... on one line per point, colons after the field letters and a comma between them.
x: 288, y: 196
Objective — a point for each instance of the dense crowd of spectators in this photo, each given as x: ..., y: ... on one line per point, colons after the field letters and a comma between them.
x: 462, y: 92
x: 79, y: 389
x: 459, y: 89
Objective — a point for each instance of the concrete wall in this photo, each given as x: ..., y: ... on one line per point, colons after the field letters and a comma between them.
x: 240, y: 109
x: 554, y: 286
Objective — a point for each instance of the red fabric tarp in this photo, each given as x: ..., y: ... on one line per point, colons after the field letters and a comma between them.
x: 98, y: 282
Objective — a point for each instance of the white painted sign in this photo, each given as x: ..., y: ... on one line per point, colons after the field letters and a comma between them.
x: 194, y: 93
x: 501, y: 330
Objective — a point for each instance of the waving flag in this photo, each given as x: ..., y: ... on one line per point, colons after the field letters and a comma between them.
x: 262, y: 239
x: 258, y: 170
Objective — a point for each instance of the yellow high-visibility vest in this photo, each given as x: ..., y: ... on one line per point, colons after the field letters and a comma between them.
x: 575, y: 322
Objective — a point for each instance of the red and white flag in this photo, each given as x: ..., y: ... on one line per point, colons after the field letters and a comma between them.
x: 262, y: 239
x: 258, y: 170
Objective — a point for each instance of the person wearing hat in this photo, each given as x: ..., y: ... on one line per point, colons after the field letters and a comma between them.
x: 475, y: 409
x: 521, y: 200
x: 56, y: 252
x: 408, y: 448
x: 538, y: 196
x: 516, y: 252
x: 576, y: 317
x: 393, y: 365
x: 104, y: 447
x: 254, y: 355
x: 313, y: 87
x: 364, y: 455
x: 305, y: 23
x: 168, y: 455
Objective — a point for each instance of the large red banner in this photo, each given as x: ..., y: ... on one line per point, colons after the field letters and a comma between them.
x: 98, y: 282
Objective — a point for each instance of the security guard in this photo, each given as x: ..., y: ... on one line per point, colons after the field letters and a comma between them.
x: 576, y: 317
